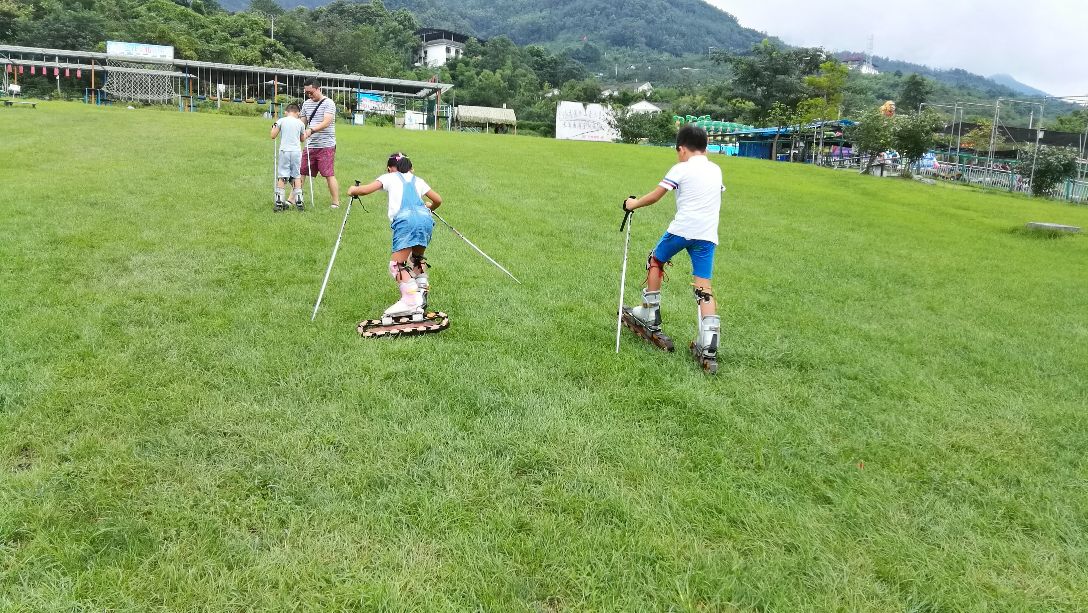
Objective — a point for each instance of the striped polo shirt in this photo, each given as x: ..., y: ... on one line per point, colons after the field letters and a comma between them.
x: 327, y: 136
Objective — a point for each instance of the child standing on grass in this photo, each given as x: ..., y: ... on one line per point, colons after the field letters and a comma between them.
x: 698, y: 185
x: 411, y: 223
x: 290, y: 158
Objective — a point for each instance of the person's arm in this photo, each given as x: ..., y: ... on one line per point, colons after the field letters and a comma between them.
x: 436, y: 200
x: 365, y: 190
x: 651, y: 198
x: 275, y: 130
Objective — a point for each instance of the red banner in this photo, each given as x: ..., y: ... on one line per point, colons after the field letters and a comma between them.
x: 32, y: 68
x: 67, y: 72
x: 79, y: 73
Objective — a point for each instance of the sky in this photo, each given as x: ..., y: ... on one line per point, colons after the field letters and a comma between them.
x: 1040, y: 43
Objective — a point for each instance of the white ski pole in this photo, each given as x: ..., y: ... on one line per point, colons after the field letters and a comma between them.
x: 628, y: 220
x: 310, y: 173
x: 471, y: 244
x: 335, y: 248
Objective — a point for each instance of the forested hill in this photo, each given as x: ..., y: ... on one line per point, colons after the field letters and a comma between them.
x: 671, y: 26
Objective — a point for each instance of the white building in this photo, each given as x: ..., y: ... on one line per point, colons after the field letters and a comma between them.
x: 645, y: 88
x: 643, y: 107
x: 439, y: 46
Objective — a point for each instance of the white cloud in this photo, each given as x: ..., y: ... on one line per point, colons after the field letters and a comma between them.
x: 1039, y: 43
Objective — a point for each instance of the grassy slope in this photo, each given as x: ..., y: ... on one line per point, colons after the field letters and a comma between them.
x: 897, y: 423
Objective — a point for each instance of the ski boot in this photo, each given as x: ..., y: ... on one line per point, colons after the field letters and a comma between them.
x: 705, y: 345
x: 645, y: 320
x: 423, y: 286
x: 400, y: 309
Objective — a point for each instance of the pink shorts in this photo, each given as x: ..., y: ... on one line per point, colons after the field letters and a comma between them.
x: 323, y: 162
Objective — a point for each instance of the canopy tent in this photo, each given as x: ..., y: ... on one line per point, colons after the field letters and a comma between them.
x: 486, y: 115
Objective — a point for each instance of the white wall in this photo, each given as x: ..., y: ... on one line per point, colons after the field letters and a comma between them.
x: 438, y: 52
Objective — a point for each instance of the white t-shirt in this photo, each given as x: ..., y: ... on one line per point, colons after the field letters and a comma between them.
x: 291, y: 129
x: 698, y: 185
x: 393, y: 186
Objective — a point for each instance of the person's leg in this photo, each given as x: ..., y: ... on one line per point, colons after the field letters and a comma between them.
x: 649, y: 313
x: 702, y: 265
x: 327, y: 166
x: 280, y: 183
x: 400, y: 269
x: 419, y: 270
x: 334, y: 190
x: 296, y: 196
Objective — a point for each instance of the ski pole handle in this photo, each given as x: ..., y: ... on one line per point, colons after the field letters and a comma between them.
x: 626, y: 214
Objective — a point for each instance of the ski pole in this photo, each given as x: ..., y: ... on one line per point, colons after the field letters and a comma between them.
x: 310, y: 173
x: 336, y: 248
x: 478, y: 250
x: 628, y: 222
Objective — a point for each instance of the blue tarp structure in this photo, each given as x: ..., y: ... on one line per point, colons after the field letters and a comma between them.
x: 757, y: 142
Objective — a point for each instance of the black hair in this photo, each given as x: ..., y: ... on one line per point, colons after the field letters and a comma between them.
x: 311, y: 83
x: 294, y: 107
x: 400, y: 162
x: 692, y: 138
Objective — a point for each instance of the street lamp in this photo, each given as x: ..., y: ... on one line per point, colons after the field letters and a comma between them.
x: 1038, y: 136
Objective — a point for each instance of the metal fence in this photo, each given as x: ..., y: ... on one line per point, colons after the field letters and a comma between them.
x: 1007, y: 179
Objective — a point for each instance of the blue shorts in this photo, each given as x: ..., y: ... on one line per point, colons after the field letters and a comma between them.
x: 701, y: 252
x: 412, y: 230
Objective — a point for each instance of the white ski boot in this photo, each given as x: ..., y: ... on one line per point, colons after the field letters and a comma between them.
x: 423, y: 286
x: 649, y: 314
x: 705, y: 345
x: 645, y: 320
x: 408, y: 305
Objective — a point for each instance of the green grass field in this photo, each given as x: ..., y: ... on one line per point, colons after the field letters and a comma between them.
x: 898, y: 422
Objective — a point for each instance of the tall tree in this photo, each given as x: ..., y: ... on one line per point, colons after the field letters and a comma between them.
x: 913, y: 134
x: 916, y: 90
x: 770, y: 73
x: 872, y: 135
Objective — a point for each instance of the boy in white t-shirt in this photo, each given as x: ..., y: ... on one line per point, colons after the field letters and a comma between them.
x: 289, y: 160
x: 698, y: 185
x: 411, y: 222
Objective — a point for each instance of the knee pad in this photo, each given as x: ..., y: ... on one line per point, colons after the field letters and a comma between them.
x: 702, y: 295
x: 652, y: 262
x: 396, y: 267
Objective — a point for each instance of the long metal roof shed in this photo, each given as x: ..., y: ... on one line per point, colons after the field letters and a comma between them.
x: 193, y: 69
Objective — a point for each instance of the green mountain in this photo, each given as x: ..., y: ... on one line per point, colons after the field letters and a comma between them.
x: 1010, y: 82
x: 671, y: 26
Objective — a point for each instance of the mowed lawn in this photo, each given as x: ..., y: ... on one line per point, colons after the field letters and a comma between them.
x: 899, y: 421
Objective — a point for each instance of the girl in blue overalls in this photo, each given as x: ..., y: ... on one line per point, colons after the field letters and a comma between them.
x: 411, y: 222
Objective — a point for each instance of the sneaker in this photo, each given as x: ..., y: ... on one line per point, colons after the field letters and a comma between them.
x: 334, y: 206
x: 301, y: 207
x: 276, y: 208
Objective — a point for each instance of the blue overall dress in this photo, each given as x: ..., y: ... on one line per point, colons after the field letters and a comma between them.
x: 413, y: 224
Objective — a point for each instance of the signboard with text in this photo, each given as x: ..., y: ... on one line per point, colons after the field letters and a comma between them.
x: 139, y: 51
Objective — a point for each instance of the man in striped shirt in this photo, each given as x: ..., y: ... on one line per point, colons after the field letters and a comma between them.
x: 319, y: 113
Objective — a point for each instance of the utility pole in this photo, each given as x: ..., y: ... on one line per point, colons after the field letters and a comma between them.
x: 273, y: 27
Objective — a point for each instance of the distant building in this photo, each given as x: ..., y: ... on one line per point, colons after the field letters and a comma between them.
x: 860, y: 63
x: 440, y: 46
x: 643, y: 107
x: 645, y: 88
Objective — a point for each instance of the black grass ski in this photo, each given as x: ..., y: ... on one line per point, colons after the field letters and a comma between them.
x: 656, y: 338
x: 403, y: 326
x: 709, y: 364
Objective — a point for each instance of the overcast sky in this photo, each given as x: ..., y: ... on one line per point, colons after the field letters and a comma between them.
x: 1042, y: 43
